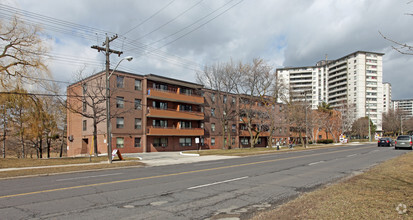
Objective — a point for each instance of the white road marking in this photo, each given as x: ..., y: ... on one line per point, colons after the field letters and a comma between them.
x: 351, y: 155
x: 225, y: 181
x: 203, y: 164
x: 310, y: 164
x: 86, y: 177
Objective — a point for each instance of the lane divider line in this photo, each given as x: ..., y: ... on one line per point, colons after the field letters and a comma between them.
x: 215, y: 183
x: 310, y: 164
x: 171, y: 174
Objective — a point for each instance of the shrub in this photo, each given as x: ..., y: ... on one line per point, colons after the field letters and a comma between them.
x: 325, y: 141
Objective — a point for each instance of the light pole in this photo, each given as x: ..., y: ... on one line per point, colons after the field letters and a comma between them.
x: 108, y: 125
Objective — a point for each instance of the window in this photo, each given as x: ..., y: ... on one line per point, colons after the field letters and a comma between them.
x: 185, y: 142
x: 212, y: 111
x: 244, y: 141
x: 138, y: 84
x: 186, y: 124
x: 137, y: 142
x: 224, y: 99
x: 226, y: 128
x: 213, y: 127
x: 119, y: 142
x: 84, y: 125
x: 84, y: 86
x: 213, y: 98
x: 119, y: 102
x: 160, y: 123
x: 234, y: 128
x: 160, y: 142
x: 259, y: 141
x: 186, y: 91
x: 84, y: 107
x: 160, y: 86
x: 233, y: 141
x: 138, y: 104
x: 202, y: 125
x: 202, y: 109
x: 119, y: 122
x: 138, y: 123
x: 160, y: 105
x: 233, y: 100
x: 119, y: 81
x: 212, y: 141
x: 185, y: 107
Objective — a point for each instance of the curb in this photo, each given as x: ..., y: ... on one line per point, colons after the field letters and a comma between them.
x: 184, y: 154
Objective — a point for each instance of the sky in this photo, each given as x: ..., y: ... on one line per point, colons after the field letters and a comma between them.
x: 177, y: 38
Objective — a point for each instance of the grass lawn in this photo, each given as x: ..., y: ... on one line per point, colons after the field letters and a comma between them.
x: 86, y: 164
x: 374, y: 194
x: 257, y: 150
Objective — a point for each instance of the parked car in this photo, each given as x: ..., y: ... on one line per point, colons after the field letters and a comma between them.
x: 385, y: 142
x: 403, y: 141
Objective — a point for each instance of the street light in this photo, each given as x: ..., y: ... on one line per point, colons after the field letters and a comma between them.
x: 108, y: 125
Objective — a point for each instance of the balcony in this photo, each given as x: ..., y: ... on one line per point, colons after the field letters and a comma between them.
x: 154, y: 131
x: 173, y: 114
x: 246, y: 133
x: 174, y: 96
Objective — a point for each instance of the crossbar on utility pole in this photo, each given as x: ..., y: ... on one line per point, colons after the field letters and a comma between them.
x: 108, y: 51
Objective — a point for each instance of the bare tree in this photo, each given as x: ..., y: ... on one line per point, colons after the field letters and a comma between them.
x: 255, y: 84
x: 87, y: 98
x: 22, y: 51
x: 393, y: 122
x: 360, y: 127
x: 222, y: 79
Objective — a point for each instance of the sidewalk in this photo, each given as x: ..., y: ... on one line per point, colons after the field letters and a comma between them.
x: 149, y: 159
x: 169, y: 158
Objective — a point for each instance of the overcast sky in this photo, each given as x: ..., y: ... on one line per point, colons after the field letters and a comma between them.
x: 176, y: 38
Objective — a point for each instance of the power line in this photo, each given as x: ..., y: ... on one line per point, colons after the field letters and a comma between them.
x: 170, y: 21
x: 200, y: 25
x: 77, y: 30
x: 190, y: 25
x: 153, y: 15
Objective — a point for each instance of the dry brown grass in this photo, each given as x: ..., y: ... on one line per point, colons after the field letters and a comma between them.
x: 371, y: 195
x: 257, y: 151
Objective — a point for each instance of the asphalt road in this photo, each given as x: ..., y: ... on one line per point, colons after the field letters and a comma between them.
x: 206, y: 190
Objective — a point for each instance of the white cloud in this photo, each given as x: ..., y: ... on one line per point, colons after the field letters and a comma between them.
x: 285, y: 33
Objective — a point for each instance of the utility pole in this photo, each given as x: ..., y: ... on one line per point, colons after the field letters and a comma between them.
x: 368, y: 116
x: 305, y: 106
x: 107, y: 52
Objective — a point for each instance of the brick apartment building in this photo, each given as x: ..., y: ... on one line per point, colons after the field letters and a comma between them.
x: 151, y: 113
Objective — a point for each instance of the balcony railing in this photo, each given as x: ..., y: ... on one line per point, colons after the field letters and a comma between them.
x: 168, y: 131
x: 173, y: 114
x: 246, y: 133
x: 172, y: 95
